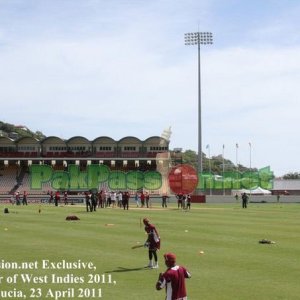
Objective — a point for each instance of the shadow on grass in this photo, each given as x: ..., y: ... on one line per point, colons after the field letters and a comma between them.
x: 121, y: 269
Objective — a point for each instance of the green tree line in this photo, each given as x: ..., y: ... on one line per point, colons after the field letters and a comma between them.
x: 214, y: 164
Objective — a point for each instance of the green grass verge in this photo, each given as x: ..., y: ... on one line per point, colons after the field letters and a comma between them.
x: 234, y: 265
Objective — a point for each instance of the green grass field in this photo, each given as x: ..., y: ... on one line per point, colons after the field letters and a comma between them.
x: 234, y: 265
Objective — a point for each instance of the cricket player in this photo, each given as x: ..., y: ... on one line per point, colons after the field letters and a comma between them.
x: 152, y: 243
x: 173, y: 279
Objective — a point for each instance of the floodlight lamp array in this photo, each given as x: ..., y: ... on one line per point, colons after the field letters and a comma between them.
x: 196, y: 38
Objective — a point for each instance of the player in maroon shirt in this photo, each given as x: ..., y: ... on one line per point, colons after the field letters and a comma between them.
x: 153, y: 243
x: 173, y: 279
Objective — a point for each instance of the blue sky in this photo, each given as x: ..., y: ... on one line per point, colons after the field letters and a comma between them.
x: 118, y: 68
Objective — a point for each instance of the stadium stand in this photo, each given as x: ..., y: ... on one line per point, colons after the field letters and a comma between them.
x: 8, y: 178
x: 127, y: 154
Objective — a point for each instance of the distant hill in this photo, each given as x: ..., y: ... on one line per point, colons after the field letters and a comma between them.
x: 18, y: 131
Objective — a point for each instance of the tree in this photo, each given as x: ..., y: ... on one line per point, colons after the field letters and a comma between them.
x: 292, y: 175
x: 215, y: 163
x: 39, y: 135
x: 7, y: 129
x: 190, y: 157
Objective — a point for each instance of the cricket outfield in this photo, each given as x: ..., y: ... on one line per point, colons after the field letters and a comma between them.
x: 43, y: 256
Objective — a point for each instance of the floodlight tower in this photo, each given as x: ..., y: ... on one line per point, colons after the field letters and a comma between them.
x: 199, y: 38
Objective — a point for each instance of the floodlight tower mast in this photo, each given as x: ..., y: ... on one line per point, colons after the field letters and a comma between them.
x: 199, y: 38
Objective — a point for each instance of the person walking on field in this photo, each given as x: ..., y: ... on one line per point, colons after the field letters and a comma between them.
x: 147, y: 199
x: 120, y: 198
x: 66, y: 198
x: 24, y: 200
x: 142, y: 196
x: 179, y: 200
x: 188, y: 201
x: 93, y: 201
x: 125, y: 201
x: 88, y: 202
x: 164, y: 200
x: 173, y: 279
x: 152, y: 243
x: 113, y: 199
x: 244, y: 200
x: 57, y: 198
x: 136, y: 198
x: 101, y: 199
x: 51, y: 197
